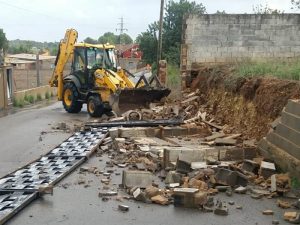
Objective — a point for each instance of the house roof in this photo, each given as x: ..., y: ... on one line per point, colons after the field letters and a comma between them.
x: 123, y: 48
x: 18, y: 61
x: 24, y: 56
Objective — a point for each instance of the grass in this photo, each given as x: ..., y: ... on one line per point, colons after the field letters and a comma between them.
x: 173, y: 75
x: 279, y: 69
x: 47, y: 95
x: 18, y: 103
x: 174, y: 81
x: 31, y: 99
x: 39, y: 97
x: 295, y: 183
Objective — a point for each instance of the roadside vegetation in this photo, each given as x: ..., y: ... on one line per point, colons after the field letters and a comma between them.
x: 31, y: 99
x: 279, y: 69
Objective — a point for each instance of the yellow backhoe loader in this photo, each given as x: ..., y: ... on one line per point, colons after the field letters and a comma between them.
x: 95, y: 79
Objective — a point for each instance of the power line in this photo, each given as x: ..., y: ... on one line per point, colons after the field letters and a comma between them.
x: 28, y: 10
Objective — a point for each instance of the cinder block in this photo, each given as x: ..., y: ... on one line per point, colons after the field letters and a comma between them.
x: 132, y: 178
x: 288, y: 133
x: 231, y: 154
x: 293, y: 106
x: 284, y: 160
x: 284, y: 144
x: 290, y: 120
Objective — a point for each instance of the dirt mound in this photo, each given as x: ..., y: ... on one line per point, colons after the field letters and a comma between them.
x: 248, y: 105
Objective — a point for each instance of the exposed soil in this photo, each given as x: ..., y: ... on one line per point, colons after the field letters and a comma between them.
x: 248, y: 105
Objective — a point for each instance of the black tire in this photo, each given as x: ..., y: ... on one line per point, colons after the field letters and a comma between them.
x: 74, y: 106
x: 95, y: 106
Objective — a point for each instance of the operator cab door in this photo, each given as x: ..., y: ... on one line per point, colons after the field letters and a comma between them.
x: 79, y: 66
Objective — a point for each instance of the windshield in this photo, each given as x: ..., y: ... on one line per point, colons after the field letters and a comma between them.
x: 112, y: 57
x: 96, y: 56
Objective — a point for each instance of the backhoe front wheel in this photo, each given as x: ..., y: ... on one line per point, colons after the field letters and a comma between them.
x: 70, y: 98
x: 95, y: 106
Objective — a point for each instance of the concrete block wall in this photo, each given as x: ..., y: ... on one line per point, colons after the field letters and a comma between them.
x: 228, y: 38
x: 35, y: 91
x: 283, y: 143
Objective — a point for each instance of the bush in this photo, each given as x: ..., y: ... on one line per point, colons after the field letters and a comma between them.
x: 15, y: 102
x: 31, y: 99
x: 47, y: 95
x: 21, y: 103
x: 39, y: 97
x: 18, y: 102
x: 26, y: 98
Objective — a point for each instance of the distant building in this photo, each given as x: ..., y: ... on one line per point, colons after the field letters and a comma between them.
x: 129, y: 51
x: 28, y: 61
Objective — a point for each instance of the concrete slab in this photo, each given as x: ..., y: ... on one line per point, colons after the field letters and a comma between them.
x: 293, y: 107
x: 285, y: 144
x: 284, y: 160
x: 288, y: 133
x: 136, y: 178
x: 290, y: 120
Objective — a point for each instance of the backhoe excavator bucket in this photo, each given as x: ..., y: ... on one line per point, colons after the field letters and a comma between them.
x: 128, y: 99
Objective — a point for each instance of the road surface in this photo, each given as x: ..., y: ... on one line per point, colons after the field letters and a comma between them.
x: 74, y: 204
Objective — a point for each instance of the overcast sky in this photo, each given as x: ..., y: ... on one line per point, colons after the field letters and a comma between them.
x: 46, y: 20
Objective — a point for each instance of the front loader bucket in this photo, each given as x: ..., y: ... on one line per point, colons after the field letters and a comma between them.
x: 128, y: 99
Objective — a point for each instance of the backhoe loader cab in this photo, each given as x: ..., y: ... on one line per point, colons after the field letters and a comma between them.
x: 96, y: 80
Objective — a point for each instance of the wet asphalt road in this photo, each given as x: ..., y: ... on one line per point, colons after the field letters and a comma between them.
x: 75, y: 204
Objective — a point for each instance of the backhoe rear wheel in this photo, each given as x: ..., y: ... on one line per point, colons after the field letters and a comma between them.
x: 95, y: 106
x: 70, y: 98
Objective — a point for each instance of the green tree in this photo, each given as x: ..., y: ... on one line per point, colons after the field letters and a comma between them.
x: 173, y: 20
x: 90, y: 40
x: 3, y: 41
x: 172, y: 31
x: 25, y: 46
x: 148, y: 43
x: 108, y: 37
x: 125, y: 39
x: 111, y: 38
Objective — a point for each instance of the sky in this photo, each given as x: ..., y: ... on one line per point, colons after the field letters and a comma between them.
x: 47, y: 20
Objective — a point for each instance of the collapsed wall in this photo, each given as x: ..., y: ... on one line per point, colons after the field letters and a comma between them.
x: 282, y: 143
x: 247, y: 105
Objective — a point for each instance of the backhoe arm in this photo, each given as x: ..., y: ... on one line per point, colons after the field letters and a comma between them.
x: 66, y: 49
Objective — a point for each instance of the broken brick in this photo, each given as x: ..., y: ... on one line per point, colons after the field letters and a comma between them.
x: 159, y: 199
x: 268, y: 212
x: 221, y: 209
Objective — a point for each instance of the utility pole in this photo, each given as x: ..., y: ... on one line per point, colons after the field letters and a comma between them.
x: 37, y: 65
x: 159, y: 46
x: 121, y: 29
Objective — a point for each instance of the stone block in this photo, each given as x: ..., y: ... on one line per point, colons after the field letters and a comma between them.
x: 189, y: 197
x: 173, y: 177
x: 171, y: 154
x: 183, y: 164
x: 229, y: 177
x: 231, y: 154
x: 132, y: 178
x: 267, y: 169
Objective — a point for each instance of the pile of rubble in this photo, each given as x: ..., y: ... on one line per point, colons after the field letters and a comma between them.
x: 188, y: 165
x: 167, y: 173
x: 189, y: 109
